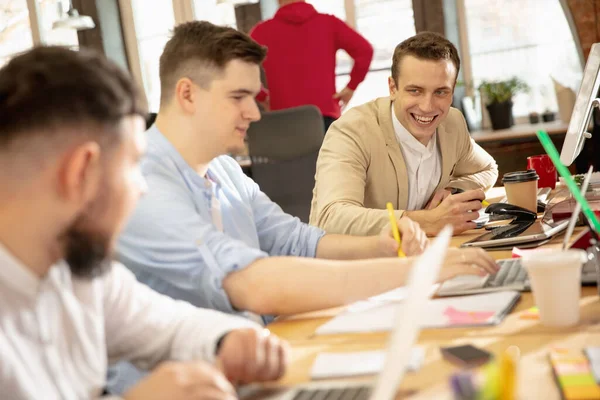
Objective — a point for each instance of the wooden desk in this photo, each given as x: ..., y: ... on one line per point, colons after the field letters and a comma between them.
x: 535, y: 380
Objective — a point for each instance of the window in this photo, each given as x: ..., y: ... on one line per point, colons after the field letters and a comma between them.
x: 51, y: 11
x: 15, y: 33
x: 153, y: 25
x: 384, y: 23
x: 215, y: 11
x: 530, y: 39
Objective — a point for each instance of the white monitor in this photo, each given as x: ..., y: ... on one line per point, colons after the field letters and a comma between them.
x: 587, y: 99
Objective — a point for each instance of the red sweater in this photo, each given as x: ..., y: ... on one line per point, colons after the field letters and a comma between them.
x: 300, y: 62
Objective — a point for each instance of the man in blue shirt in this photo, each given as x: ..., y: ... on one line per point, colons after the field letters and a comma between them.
x: 205, y: 233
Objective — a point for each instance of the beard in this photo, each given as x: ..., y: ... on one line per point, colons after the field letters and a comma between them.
x: 86, y: 252
x: 86, y: 248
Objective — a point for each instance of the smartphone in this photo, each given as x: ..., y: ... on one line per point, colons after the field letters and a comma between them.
x: 466, y: 356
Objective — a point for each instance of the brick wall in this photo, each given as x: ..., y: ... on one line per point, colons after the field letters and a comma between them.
x: 586, y: 15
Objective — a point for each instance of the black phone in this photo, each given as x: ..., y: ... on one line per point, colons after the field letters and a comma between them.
x: 466, y: 356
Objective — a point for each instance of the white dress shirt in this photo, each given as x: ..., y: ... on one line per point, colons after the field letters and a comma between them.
x: 423, y: 165
x: 57, y: 334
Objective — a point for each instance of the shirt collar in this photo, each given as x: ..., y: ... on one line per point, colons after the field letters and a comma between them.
x: 16, y: 275
x: 167, y: 148
x: 405, y: 138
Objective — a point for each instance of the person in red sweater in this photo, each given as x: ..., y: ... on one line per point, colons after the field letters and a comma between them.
x: 300, y: 63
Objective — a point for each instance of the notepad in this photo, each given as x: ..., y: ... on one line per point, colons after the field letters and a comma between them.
x: 339, y: 365
x: 573, y: 375
x: 460, y: 311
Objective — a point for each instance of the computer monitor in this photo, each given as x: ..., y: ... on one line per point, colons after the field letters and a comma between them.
x: 587, y: 99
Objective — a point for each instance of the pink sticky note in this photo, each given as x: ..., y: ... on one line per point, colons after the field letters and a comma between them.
x: 458, y: 317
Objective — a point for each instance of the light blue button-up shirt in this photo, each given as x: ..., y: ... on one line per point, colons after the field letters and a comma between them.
x: 172, y: 244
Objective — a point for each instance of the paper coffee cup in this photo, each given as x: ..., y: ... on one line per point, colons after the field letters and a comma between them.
x: 555, y: 279
x: 521, y: 188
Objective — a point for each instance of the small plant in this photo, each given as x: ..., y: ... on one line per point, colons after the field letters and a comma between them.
x: 502, y: 91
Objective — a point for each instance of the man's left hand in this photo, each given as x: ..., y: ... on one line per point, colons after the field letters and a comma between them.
x: 437, y: 198
x: 250, y: 355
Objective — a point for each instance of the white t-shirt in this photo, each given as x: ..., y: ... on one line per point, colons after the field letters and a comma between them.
x: 423, y: 165
x: 57, y: 334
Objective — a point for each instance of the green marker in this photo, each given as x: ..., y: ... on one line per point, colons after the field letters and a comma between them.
x: 564, y: 172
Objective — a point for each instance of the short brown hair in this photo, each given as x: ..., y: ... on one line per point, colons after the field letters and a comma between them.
x: 52, y: 89
x: 197, y: 49
x: 425, y: 46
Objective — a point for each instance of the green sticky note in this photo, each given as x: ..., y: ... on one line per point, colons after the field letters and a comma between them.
x: 576, y: 380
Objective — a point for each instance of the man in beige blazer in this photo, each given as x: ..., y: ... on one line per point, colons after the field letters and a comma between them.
x: 411, y: 149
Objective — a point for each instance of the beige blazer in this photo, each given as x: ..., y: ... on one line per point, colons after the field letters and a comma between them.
x: 360, y: 168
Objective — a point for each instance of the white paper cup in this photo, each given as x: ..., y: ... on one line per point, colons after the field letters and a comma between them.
x: 555, y: 278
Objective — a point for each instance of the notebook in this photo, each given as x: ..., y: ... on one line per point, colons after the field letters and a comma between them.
x: 460, y: 311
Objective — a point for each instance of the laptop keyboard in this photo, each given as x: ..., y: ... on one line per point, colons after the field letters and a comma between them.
x: 351, y: 393
x: 511, y: 272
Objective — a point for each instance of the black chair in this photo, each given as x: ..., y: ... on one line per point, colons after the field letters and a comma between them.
x: 283, y: 147
x: 150, y: 120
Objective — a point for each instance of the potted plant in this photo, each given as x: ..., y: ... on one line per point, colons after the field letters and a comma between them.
x: 498, y: 99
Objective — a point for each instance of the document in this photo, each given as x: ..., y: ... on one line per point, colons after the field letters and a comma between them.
x: 339, y: 365
x: 460, y: 311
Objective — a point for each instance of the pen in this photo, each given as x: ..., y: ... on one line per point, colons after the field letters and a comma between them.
x: 507, y: 376
x: 395, y: 231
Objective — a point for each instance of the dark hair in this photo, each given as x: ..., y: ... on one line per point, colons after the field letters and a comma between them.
x: 51, y: 89
x: 425, y: 46
x: 197, y: 49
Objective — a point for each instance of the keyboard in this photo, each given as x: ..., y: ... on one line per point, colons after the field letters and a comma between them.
x: 511, y: 273
x: 351, y: 393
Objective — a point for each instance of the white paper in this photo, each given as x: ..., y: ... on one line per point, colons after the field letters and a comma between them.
x: 483, y: 218
x: 593, y: 354
x: 339, y: 365
x: 381, y: 317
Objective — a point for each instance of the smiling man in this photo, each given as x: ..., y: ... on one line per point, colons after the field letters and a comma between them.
x: 411, y: 149
x: 206, y: 234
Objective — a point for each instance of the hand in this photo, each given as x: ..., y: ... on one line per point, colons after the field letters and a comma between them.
x: 473, y: 261
x: 250, y: 355
x: 183, y: 381
x: 458, y: 210
x: 437, y: 198
x: 344, y: 96
x: 265, y: 104
x: 414, y: 240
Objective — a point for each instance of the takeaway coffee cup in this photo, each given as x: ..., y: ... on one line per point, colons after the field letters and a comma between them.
x: 521, y: 188
x: 555, y: 278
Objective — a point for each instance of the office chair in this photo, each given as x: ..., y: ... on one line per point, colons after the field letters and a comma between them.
x: 283, y: 147
x: 150, y: 120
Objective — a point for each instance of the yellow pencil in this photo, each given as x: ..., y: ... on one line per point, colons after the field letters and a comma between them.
x: 484, y: 203
x: 395, y: 231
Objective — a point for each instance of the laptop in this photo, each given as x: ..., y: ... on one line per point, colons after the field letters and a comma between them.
x: 512, y: 275
x: 402, y: 339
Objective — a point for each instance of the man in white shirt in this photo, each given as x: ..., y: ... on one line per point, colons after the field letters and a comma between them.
x: 410, y: 148
x: 71, y: 135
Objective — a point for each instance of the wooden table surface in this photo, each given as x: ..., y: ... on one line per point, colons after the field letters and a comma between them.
x: 535, y: 379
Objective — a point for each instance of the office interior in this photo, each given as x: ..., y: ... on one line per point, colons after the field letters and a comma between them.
x: 544, y: 43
